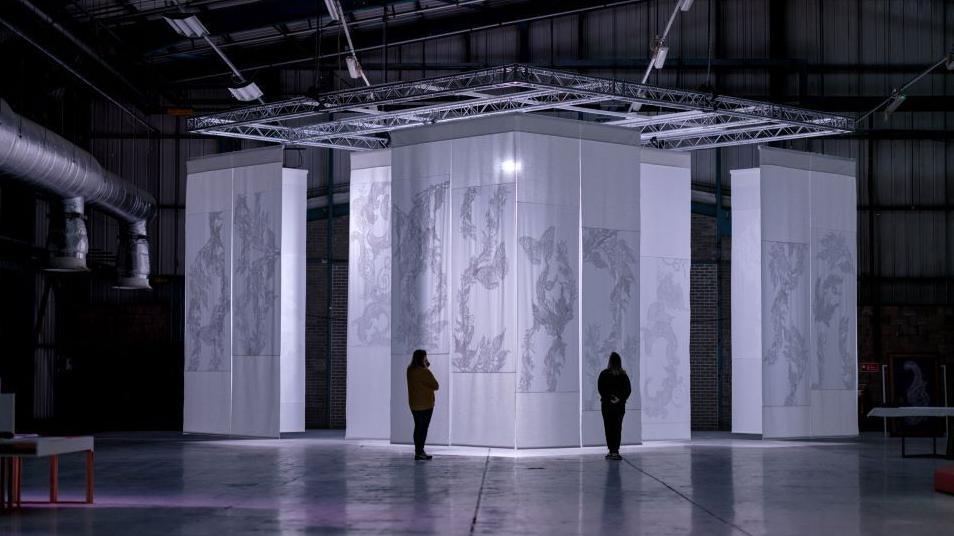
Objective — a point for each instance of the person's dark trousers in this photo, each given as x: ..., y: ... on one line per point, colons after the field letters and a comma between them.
x: 422, y: 419
x: 613, y: 425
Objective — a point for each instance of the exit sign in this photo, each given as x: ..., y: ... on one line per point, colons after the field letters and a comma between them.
x: 870, y: 367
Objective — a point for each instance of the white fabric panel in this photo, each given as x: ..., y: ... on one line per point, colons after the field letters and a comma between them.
x: 484, y: 409
x: 834, y: 413
x: 806, y: 220
x: 610, y: 308
x: 664, y: 353
x: 484, y: 160
x: 256, y: 276
x: 425, y: 160
x: 548, y: 420
x: 746, y: 303
x: 245, y: 247
x: 610, y: 186
x: 292, y: 347
x: 368, y: 403
x: 208, y: 319
x: 420, y: 258
x: 547, y: 307
x: 785, y: 204
x: 483, y: 286
x: 785, y: 324
x: 834, y: 300
x: 664, y: 295
x: 402, y: 424
x: 786, y: 422
x: 664, y: 211
x: 255, y: 396
x: 207, y: 401
x: 547, y: 169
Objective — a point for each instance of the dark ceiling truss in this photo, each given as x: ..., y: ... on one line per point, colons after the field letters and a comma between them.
x: 359, y: 119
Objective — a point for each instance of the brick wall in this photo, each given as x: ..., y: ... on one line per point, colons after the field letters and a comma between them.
x: 318, y: 413
x: 709, y: 309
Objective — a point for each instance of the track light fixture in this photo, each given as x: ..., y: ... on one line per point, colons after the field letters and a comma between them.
x: 188, y: 26
x: 686, y: 5
x: 354, y: 67
x: 897, y: 99
x: 246, y: 93
x: 950, y: 62
x: 660, y: 51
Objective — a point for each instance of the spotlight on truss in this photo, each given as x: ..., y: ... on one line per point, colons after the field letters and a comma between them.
x: 686, y: 5
x: 897, y: 99
x: 188, y: 26
x: 333, y: 11
x: 660, y: 51
x: 246, y: 93
x: 354, y: 67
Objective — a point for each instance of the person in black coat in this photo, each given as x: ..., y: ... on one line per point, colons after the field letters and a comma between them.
x: 614, y: 387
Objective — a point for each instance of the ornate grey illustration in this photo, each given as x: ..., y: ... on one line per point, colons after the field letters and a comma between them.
x: 607, y: 255
x: 785, y: 343
x: 418, y: 252
x: 371, y: 236
x: 832, y: 311
x: 254, y: 287
x: 208, y: 300
x: 554, y: 301
x: 669, y: 302
x: 917, y: 392
x: 486, y: 270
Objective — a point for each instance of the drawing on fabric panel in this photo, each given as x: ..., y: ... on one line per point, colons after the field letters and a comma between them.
x: 254, y: 287
x: 418, y: 249
x: 553, y: 304
x: 608, y: 252
x: 371, y: 234
x: 787, y: 344
x: 669, y: 302
x: 487, y: 270
x: 207, y: 315
x: 835, y: 360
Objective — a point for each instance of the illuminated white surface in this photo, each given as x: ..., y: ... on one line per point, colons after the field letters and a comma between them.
x: 664, y: 294
x: 245, y: 242
x: 795, y: 247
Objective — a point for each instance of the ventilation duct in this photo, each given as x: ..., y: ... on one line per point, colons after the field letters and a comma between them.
x: 38, y: 157
x: 67, y: 241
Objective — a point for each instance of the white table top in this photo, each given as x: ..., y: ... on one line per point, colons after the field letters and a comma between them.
x: 38, y: 446
x: 912, y: 411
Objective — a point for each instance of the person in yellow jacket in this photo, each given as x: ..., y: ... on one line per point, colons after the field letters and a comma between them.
x: 421, y: 385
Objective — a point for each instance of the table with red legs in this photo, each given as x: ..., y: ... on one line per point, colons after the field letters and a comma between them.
x: 13, y: 451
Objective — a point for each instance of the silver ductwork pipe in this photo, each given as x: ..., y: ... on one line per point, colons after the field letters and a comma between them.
x: 67, y: 241
x: 38, y: 157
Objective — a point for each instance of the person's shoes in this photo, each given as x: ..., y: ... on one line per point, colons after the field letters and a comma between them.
x: 609, y: 456
x: 615, y: 456
x: 422, y: 456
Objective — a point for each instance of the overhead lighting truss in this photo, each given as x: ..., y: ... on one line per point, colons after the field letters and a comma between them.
x: 360, y: 119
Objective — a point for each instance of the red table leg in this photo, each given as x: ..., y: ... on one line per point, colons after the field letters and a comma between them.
x: 89, y: 477
x: 17, y: 480
x: 54, y: 478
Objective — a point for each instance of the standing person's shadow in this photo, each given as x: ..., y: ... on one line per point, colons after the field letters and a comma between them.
x: 612, y: 518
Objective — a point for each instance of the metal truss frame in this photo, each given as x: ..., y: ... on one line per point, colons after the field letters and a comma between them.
x: 359, y: 119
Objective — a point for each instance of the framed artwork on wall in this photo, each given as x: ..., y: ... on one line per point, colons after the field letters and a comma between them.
x: 915, y: 380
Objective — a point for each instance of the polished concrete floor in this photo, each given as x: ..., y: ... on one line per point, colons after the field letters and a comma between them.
x: 317, y: 483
